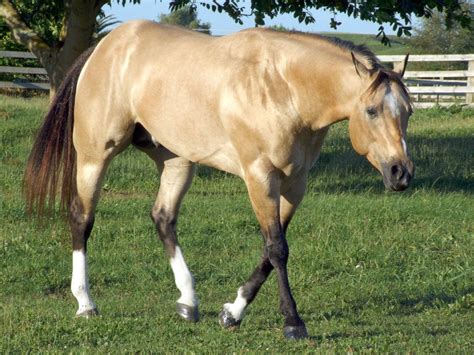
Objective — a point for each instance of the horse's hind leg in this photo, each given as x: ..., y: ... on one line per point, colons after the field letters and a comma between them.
x: 94, y: 151
x: 88, y: 179
x: 175, y: 180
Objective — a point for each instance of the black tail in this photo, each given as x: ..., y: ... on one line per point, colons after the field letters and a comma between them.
x: 52, y: 160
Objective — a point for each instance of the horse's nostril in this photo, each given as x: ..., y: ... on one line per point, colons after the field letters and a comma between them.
x: 397, y: 176
x: 396, y: 171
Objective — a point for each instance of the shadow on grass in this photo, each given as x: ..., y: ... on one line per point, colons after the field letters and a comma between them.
x: 340, y: 335
x: 405, y: 304
x: 209, y: 314
x: 442, y: 165
x: 411, y: 305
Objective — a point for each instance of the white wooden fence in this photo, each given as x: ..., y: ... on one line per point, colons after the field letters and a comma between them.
x: 23, y: 84
x: 428, y: 88
x: 440, y: 87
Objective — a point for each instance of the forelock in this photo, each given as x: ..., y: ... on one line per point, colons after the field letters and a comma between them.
x: 386, y: 78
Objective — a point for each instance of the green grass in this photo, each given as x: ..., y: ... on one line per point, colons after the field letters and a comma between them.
x: 370, y: 270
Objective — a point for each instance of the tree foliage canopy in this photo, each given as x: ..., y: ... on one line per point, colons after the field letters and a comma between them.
x: 433, y: 37
x: 45, y: 18
x: 56, y: 31
x: 397, y: 13
x: 186, y: 17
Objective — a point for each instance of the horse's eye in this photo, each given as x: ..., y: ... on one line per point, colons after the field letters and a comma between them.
x: 371, y: 112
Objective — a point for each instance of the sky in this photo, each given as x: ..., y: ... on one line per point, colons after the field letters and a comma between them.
x: 222, y: 24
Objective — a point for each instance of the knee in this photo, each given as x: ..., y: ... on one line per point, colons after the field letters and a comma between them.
x: 163, y: 220
x: 278, y: 252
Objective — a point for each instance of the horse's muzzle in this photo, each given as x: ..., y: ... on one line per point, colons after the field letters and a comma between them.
x: 397, y: 175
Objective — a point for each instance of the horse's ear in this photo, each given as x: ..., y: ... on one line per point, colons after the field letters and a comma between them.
x: 360, y: 68
x: 399, y: 68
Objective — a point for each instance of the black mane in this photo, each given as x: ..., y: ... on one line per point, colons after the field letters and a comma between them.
x: 359, y: 49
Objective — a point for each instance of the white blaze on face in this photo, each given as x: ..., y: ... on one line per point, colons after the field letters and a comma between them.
x: 404, y: 145
x: 238, y: 307
x: 183, y: 279
x: 80, y: 282
x: 392, y: 104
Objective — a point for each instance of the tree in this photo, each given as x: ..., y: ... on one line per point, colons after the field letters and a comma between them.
x: 395, y: 12
x: 280, y: 27
x: 186, y: 17
x: 58, y: 31
x: 102, y: 25
x: 433, y: 37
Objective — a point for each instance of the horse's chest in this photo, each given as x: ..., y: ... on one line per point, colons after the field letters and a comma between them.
x: 295, y: 157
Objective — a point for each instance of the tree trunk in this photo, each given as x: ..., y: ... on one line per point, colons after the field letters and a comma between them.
x: 55, y: 71
x: 75, y: 37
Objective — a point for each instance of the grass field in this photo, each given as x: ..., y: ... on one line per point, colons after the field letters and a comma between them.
x: 370, y: 270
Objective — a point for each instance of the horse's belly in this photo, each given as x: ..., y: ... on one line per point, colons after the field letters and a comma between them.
x: 224, y: 158
x: 197, y: 140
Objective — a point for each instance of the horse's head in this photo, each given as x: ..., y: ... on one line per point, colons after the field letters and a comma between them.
x: 379, y: 121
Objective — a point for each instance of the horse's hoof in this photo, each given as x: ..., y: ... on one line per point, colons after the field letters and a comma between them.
x: 295, y: 332
x: 189, y: 313
x: 88, y: 313
x: 227, y: 321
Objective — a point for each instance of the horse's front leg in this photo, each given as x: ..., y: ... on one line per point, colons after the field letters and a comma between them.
x: 264, y: 188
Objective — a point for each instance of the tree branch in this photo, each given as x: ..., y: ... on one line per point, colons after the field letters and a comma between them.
x: 22, y: 33
x: 100, y: 3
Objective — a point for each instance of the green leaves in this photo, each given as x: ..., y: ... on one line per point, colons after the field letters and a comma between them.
x: 433, y: 36
x: 185, y: 16
x: 44, y: 17
x: 397, y: 13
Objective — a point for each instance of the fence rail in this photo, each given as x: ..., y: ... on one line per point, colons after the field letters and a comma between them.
x: 439, y: 87
x: 39, y: 74
x: 16, y: 54
x: 427, y: 88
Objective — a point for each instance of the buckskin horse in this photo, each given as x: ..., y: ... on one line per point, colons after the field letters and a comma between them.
x: 257, y: 104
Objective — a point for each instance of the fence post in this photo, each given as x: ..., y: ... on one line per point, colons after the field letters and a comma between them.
x: 470, y: 83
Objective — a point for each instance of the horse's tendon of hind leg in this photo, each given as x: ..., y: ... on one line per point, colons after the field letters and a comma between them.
x: 257, y: 104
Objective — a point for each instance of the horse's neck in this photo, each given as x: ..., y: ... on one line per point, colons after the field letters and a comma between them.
x: 325, y: 90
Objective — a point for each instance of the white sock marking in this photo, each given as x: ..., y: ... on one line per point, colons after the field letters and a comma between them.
x: 183, y: 279
x: 237, y: 309
x: 80, y: 282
